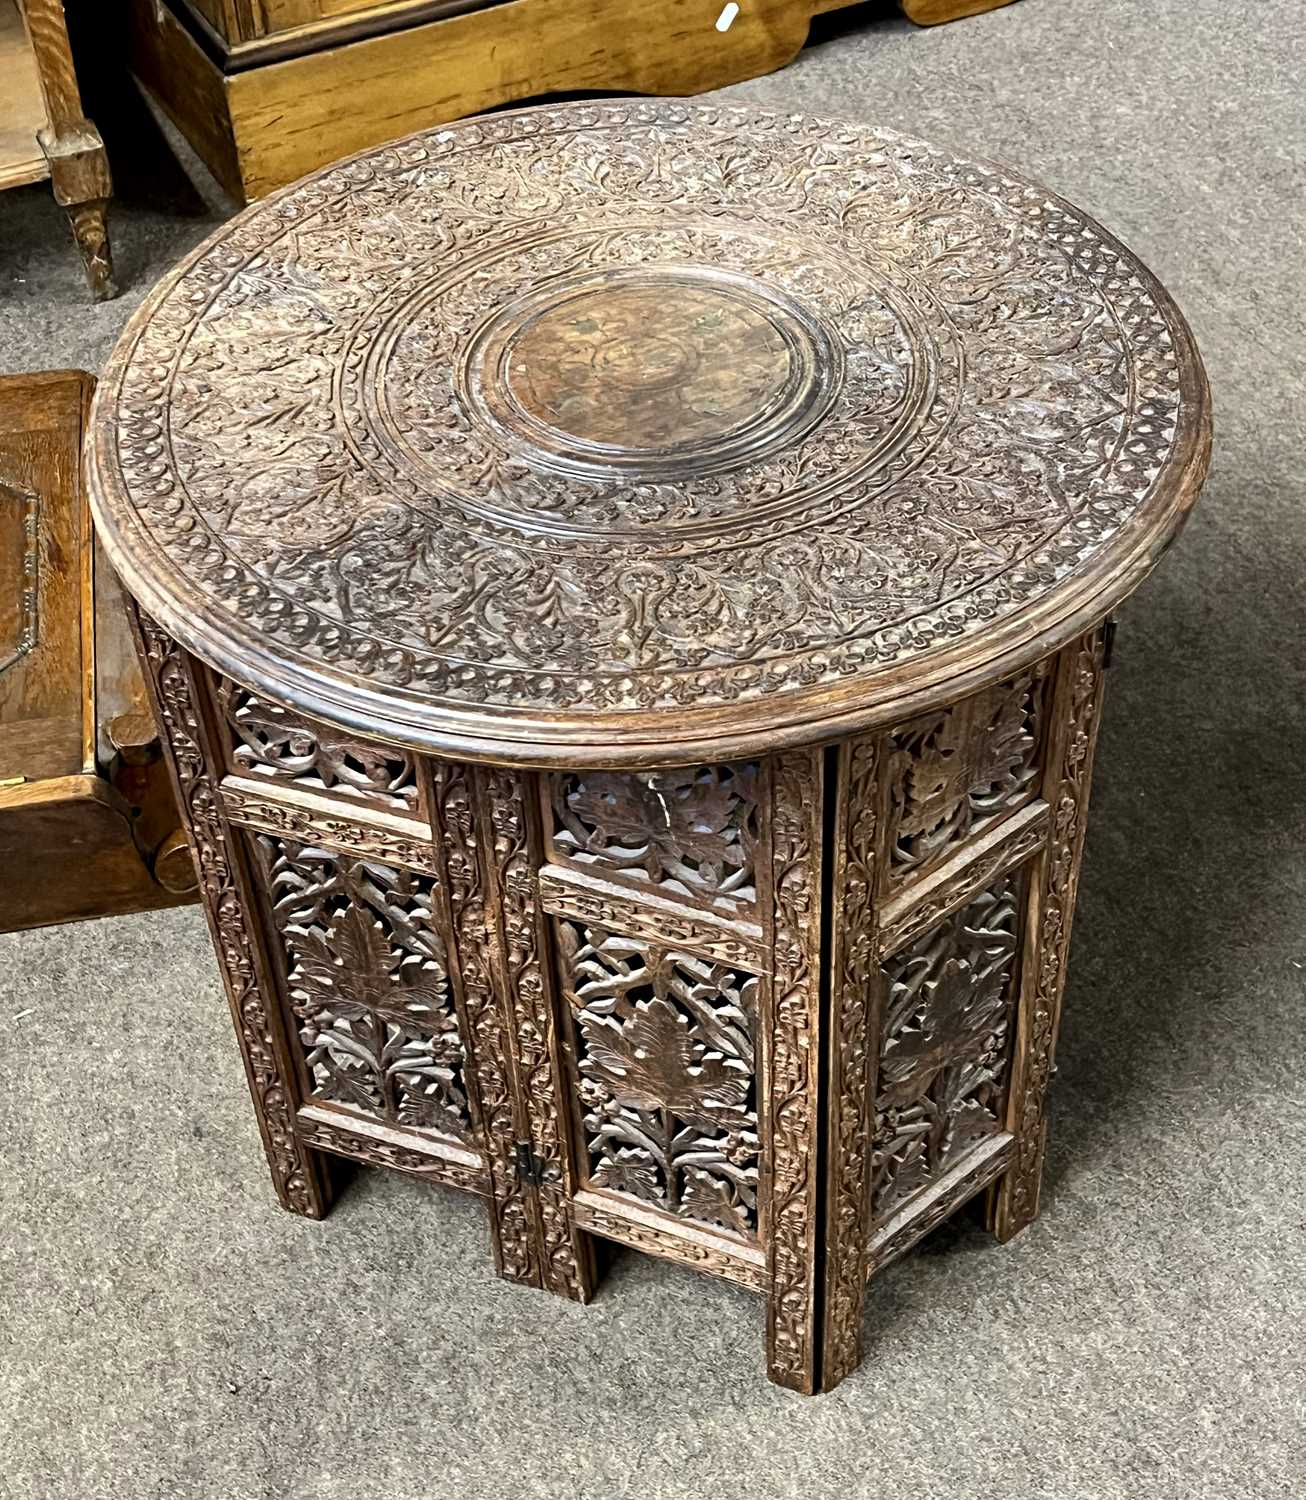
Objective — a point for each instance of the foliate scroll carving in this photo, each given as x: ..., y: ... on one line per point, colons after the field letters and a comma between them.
x: 459, y: 835
x: 1069, y: 784
x: 332, y: 828
x: 656, y: 1241
x: 268, y: 739
x: 791, y: 1040
x: 952, y: 771
x: 368, y: 979
x: 513, y: 863
x: 1010, y: 399
x: 853, y: 995
x: 901, y: 1231
x: 383, y: 1153
x: 945, y: 1045
x: 664, y: 1043
x: 176, y: 702
x: 700, y: 931
x: 688, y: 832
x: 978, y: 863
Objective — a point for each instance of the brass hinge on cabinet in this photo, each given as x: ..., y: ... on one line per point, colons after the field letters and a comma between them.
x: 530, y: 1168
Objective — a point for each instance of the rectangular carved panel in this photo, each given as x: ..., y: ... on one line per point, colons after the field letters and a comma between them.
x: 664, y: 1044
x: 957, y: 770
x: 368, y: 981
x: 687, y: 833
x: 945, y: 1044
x: 268, y: 740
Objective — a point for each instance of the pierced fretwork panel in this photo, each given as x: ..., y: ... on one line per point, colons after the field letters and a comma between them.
x: 664, y: 1043
x: 271, y: 741
x: 369, y: 985
x: 945, y: 1044
x: 954, y: 771
x: 688, y: 832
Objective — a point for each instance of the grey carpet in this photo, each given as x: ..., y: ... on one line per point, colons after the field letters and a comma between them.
x: 165, y: 1331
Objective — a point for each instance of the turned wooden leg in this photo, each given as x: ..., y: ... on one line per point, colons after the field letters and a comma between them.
x: 90, y: 230
x: 79, y: 168
x: 1055, y: 877
x: 79, y: 174
x: 299, y: 1174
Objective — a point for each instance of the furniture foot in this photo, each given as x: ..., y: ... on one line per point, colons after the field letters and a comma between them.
x: 90, y: 230
x: 299, y: 1174
x: 1053, y: 888
x: 79, y: 174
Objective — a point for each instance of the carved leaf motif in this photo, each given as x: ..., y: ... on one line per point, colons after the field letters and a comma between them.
x: 689, y: 831
x: 664, y: 1043
x: 955, y: 768
x: 368, y: 982
x: 944, y: 1046
x: 650, y: 1062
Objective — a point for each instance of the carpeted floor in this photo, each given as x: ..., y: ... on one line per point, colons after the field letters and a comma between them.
x: 166, y: 1331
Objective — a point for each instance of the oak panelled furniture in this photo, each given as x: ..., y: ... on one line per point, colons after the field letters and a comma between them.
x: 624, y: 585
x: 88, y: 823
x: 266, y: 90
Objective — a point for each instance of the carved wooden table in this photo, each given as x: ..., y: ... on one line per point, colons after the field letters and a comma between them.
x: 468, y: 486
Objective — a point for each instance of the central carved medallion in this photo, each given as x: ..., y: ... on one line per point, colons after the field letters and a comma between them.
x: 652, y: 372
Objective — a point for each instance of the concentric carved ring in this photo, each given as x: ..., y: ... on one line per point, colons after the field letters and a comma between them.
x: 655, y: 373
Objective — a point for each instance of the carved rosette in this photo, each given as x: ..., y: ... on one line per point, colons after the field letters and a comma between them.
x: 299, y: 1182
x: 791, y: 1034
x: 1069, y: 778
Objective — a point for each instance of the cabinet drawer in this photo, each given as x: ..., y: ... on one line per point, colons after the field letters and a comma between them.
x: 240, y: 25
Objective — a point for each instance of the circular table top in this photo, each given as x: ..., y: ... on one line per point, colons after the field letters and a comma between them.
x: 636, y: 431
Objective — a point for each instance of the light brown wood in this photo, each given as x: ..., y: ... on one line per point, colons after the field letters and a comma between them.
x: 934, y: 12
x: 86, y: 821
x: 189, y: 87
x: 67, y: 853
x: 34, y: 40
x: 22, y: 109
x: 261, y: 128
x: 44, y: 531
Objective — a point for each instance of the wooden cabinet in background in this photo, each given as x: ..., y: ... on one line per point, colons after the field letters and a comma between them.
x: 88, y: 824
x: 267, y: 90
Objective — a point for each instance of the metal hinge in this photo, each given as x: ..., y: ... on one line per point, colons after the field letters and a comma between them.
x: 1108, y: 640
x: 530, y: 1168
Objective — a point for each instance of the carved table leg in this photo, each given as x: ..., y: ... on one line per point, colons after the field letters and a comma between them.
x: 1076, y: 714
x: 299, y: 1174
x: 851, y: 1029
x: 791, y: 1070
x: 562, y: 1254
